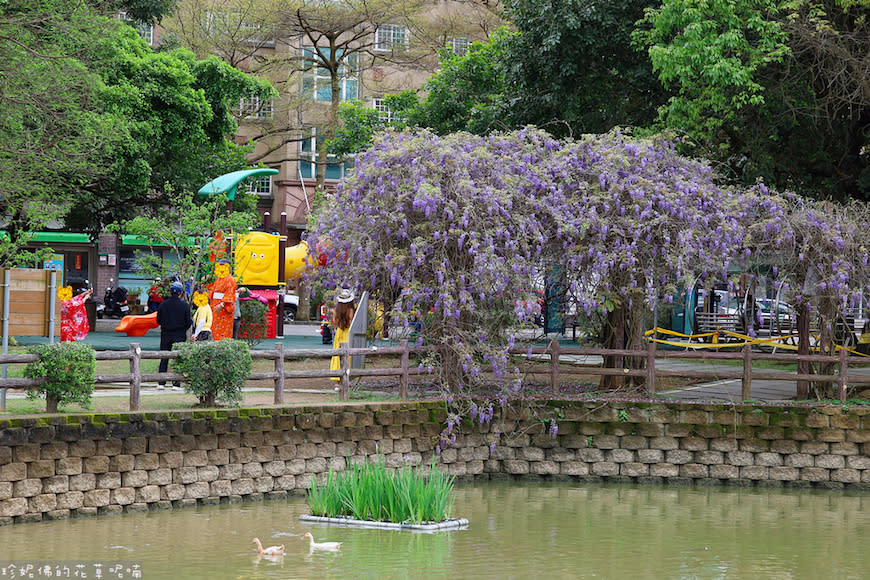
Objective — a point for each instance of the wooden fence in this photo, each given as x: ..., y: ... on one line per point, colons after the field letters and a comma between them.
x: 554, y: 352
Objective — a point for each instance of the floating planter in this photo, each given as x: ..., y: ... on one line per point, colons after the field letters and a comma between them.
x: 372, y: 496
x: 448, y: 524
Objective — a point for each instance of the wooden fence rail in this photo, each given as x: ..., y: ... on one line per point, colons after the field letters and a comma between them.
x: 557, y: 356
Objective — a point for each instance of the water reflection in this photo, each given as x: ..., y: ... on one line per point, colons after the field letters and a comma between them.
x: 515, y: 531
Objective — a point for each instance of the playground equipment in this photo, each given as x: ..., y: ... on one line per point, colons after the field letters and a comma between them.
x: 137, y: 325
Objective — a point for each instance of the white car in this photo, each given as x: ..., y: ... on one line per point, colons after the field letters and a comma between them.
x: 291, y: 306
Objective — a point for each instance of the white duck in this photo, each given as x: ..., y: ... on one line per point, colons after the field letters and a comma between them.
x: 330, y: 546
x: 270, y: 551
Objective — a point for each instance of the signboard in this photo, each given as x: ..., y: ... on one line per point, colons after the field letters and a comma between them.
x: 55, y: 262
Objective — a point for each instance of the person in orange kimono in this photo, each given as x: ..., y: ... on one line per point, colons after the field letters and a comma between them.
x: 222, y: 299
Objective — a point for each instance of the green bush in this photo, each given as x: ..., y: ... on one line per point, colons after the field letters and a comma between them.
x: 252, y: 326
x: 69, y: 370
x: 214, y: 370
x: 370, y: 491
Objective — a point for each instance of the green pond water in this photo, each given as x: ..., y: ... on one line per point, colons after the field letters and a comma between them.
x: 515, y: 531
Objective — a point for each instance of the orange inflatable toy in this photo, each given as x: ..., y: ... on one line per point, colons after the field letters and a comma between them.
x: 137, y: 325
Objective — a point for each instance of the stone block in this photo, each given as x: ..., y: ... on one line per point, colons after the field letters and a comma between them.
x: 196, y: 490
x: 664, y: 443
x: 207, y: 473
x: 723, y: 471
x: 54, y: 450
x: 172, y: 459
x: 830, y: 461
x: 27, y: 487
x: 244, y: 486
x: 784, y: 446
x: 26, y: 453
x: 649, y: 430
x: 184, y: 443
x: 207, y: 441
x: 815, y: 447
x: 605, y: 469
x: 784, y: 473
x: 590, y: 455
x: 740, y: 458
x: 634, y: 442
x: 56, y: 484
x: 241, y: 455
x: 606, y: 442
x: 768, y: 459
x: 13, y: 471
x: 252, y: 469
x: 220, y: 488
x: 650, y: 455
x: 540, y: 467
x: 16, y: 506
x: 679, y: 456
x: 664, y: 470
x: 755, y: 445
x: 619, y: 455
x: 316, y: 465
x: 830, y: 435
x: 82, y: 482
x: 252, y: 439
x: 274, y: 468
x: 122, y: 463
x: 558, y: 454
x: 515, y: 466
x: 754, y: 472
x: 109, y: 447
x: 229, y: 441
x: 109, y: 480
x: 82, y: 448
x: 845, y: 448
x: 148, y: 494
x: 799, y: 460
x: 295, y: 467
x: 41, y: 468
x: 815, y: 474
x: 858, y: 462
x: 69, y: 466
x: 846, y: 475
x: 285, y: 482
x: 135, y: 445
x: 574, y: 468
x: 694, y: 470
x: 147, y: 461
x: 96, y: 464
x: 5, y: 489
x: 161, y: 476
x: 218, y: 456
x: 96, y: 498
x: 230, y: 471
x: 172, y: 492
x: 184, y: 475
x: 136, y: 478
x: 196, y: 458
x: 723, y: 444
x: 123, y: 495
x: 694, y: 444
x: 634, y: 469
x: 264, y: 484
x: 160, y: 444
x: 709, y: 457
x: 817, y: 420
x: 530, y: 454
x: 72, y: 500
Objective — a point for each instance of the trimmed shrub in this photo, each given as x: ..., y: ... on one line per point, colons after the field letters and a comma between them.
x: 252, y: 326
x: 69, y: 370
x: 214, y: 370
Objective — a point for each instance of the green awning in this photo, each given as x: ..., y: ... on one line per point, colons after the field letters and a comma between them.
x: 228, y: 182
x: 67, y: 237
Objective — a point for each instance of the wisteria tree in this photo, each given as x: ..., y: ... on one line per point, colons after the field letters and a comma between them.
x: 638, y: 219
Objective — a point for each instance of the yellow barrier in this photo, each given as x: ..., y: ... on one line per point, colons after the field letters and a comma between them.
x: 741, y: 340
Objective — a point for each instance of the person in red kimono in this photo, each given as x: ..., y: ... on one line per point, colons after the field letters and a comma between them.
x: 222, y: 299
x: 73, y: 316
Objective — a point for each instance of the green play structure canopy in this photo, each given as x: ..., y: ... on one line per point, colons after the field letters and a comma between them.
x: 228, y: 182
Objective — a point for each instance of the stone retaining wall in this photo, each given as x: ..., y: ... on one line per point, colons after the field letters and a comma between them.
x: 62, y: 466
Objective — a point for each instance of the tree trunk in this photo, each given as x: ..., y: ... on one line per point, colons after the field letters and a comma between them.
x: 803, y: 328
x: 614, y: 337
x: 51, y: 402
x: 207, y: 400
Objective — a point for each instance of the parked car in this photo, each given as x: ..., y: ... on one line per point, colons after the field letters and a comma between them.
x: 784, y: 313
x: 291, y: 307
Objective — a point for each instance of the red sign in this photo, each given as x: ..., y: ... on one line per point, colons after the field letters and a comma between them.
x: 78, y: 261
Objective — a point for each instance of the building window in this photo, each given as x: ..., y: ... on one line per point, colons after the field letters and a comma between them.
x: 459, y: 46
x: 389, y: 37
x: 385, y: 115
x: 145, y: 30
x: 261, y: 186
x: 308, y: 168
x: 254, y: 107
x: 317, y: 80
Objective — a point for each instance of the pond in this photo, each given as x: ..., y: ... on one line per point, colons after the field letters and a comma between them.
x: 517, y: 530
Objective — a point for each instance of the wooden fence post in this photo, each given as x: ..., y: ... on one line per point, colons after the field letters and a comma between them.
x: 554, y: 367
x: 746, y: 387
x: 344, y: 389
x: 844, y: 370
x: 135, y: 375
x: 279, y: 371
x: 651, y: 367
x: 403, y: 378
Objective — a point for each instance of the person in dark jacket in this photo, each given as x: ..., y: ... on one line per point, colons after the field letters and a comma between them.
x: 173, y: 316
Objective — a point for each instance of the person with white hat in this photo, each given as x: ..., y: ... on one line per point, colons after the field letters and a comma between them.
x: 342, y: 317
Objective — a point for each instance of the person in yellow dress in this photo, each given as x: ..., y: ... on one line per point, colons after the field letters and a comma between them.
x: 202, y: 318
x: 342, y: 317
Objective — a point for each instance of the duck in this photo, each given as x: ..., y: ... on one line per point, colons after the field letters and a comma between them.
x: 270, y: 551
x: 331, y: 546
